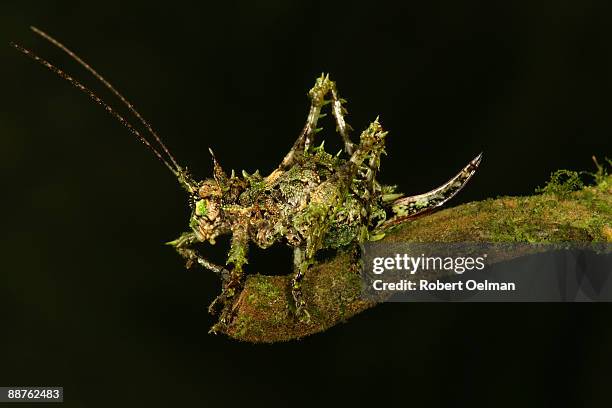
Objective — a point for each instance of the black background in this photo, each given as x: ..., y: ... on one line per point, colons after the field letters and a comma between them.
x: 92, y: 300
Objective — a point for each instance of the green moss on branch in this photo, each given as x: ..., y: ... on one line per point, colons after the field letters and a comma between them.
x: 332, y: 289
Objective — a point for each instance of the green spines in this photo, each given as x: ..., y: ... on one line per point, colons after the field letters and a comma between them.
x: 256, y: 184
x: 372, y: 143
x: 321, y: 158
x: 322, y: 85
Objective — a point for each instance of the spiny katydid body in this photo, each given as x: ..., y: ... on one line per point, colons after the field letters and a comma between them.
x: 312, y: 201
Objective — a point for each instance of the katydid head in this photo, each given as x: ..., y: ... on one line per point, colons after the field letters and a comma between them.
x: 207, y: 216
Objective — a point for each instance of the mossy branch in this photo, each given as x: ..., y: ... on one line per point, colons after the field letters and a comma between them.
x: 333, y: 289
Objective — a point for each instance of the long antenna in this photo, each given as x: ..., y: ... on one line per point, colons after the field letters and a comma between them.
x: 82, y: 88
x: 110, y: 87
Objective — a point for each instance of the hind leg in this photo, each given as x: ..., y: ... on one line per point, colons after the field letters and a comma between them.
x: 184, y: 246
x: 323, y: 86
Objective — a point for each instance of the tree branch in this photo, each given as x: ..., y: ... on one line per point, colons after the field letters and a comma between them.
x: 332, y: 289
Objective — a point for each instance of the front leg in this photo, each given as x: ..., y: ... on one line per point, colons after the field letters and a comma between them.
x: 323, y: 86
x: 237, y: 256
x: 184, y: 246
x: 313, y: 223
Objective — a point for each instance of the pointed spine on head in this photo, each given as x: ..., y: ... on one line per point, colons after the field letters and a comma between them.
x: 218, y: 174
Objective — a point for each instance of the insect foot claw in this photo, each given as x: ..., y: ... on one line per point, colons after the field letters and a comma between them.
x: 302, y: 314
x: 217, y: 328
x: 215, y: 304
x: 226, y: 316
x: 224, y: 299
x: 300, y: 305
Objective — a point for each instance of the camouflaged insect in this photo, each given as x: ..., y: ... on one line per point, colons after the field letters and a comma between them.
x: 314, y: 200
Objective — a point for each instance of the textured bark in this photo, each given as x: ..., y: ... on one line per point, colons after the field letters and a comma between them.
x: 332, y: 289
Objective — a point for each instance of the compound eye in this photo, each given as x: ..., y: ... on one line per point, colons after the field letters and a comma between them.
x: 201, y: 208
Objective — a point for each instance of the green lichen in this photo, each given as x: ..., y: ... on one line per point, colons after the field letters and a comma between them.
x: 561, y: 183
x: 267, y: 292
